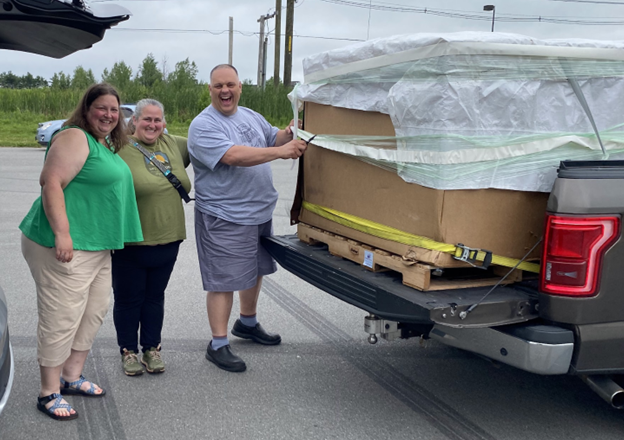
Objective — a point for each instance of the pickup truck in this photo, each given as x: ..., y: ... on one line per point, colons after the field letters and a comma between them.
x: 568, y: 320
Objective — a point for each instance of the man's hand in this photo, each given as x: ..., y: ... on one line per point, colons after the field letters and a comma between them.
x: 293, y: 149
x: 291, y: 125
x: 285, y: 135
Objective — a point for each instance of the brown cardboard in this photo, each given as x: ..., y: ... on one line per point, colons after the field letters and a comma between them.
x: 337, y: 120
x: 508, y: 223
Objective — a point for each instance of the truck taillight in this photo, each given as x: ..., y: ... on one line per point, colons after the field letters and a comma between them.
x: 573, y: 251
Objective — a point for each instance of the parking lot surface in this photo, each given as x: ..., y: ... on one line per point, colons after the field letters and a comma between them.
x: 323, y: 382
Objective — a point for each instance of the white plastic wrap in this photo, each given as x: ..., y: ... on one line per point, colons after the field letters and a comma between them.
x: 489, y: 101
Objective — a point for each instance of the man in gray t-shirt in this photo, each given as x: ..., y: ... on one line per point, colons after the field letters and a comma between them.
x: 230, y: 149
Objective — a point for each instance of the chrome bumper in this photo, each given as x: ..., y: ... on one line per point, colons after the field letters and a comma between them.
x: 534, y: 357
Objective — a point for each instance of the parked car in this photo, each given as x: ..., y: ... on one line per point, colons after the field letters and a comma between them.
x: 46, y: 130
x: 53, y: 29
x: 6, y: 354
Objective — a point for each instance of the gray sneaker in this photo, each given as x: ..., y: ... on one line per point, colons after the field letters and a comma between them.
x: 130, y: 363
x: 152, y: 361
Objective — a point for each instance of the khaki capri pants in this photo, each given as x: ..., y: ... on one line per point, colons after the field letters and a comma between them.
x: 72, y: 299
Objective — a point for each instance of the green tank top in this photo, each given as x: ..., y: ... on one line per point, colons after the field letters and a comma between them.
x: 100, y: 204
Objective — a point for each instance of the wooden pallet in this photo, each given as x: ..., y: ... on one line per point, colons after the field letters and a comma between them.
x: 414, y: 273
x: 425, y: 256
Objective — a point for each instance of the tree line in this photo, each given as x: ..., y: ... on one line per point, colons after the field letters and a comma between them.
x: 9, y: 80
x: 148, y: 75
x: 180, y: 90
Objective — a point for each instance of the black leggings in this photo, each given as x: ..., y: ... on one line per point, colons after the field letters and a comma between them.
x: 140, y: 277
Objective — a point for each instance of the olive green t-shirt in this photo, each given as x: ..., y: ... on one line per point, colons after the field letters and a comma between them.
x: 100, y: 204
x: 160, y: 204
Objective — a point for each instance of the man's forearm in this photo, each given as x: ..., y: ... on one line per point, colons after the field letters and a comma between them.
x: 283, y: 136
x: 244, y: 156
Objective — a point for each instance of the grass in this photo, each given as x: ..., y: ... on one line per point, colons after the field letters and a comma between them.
x: 178, y: 128
x: 22, y: 109
x: 18, y: 129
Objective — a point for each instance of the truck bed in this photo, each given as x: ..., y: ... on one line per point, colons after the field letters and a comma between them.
x: 384, y: 295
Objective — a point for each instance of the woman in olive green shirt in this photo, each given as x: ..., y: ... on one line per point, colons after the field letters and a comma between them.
x: 141, y: 271
x: 87, y: 208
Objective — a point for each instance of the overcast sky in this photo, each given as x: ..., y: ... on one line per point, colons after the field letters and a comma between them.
x: 332, y: 23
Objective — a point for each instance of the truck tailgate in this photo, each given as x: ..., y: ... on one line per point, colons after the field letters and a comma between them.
x: 384, y: 295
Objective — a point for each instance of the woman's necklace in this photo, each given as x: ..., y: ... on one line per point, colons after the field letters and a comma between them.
x: 109, y: 145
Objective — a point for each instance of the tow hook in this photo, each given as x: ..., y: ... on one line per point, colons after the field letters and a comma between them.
x: 388, y: 330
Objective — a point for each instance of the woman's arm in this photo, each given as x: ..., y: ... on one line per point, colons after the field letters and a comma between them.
x: 66, y: 157
x: 181, y: 142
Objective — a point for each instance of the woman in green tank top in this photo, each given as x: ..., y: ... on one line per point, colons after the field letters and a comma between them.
x: 87, y: 208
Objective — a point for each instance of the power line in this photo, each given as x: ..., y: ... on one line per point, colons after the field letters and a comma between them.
x: 590, y: 1
x: 509, y: 18
x: 220, y: 32
x: 327, y: 38
x: 116, y: 1
x: 448, y: 13
x: 183, y: 31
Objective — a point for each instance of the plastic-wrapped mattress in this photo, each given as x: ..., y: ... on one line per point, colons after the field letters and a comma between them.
x: 476, y: 110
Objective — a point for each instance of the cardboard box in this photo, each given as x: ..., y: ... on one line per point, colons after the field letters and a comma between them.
x: 508, y: 223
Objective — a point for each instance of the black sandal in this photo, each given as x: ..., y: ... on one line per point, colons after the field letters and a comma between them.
x: 41, y: 402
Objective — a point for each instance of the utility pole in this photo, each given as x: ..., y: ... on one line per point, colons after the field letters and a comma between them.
x: 264, y: 64
x: 493, y: 9
x: 278, y: 35
x: 290, y: 18
x: 231, y: 45
x: 262, y: 51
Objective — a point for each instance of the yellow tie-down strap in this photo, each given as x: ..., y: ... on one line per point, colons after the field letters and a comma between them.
x: 388, y: 233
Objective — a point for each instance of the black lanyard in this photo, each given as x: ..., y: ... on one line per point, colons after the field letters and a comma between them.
x: 167, y: 173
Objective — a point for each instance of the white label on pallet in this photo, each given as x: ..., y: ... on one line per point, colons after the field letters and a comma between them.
x: 368, y: 259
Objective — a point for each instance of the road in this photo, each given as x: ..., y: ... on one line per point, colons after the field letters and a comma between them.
x: 323, y: 382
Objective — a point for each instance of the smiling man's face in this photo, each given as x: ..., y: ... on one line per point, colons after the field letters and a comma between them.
x: 225, y: 90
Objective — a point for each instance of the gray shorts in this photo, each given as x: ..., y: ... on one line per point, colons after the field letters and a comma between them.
x: 230, y: 255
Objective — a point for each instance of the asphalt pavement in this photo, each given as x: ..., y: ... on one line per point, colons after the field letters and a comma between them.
x: 323, y: 382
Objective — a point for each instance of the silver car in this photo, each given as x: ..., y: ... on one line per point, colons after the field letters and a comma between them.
x: 6, y: 354
x: 46, y: 130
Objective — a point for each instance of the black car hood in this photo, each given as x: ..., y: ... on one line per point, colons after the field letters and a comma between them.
x: 55, y: 28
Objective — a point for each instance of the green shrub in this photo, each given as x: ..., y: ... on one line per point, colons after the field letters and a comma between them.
x: 22, y: 109
x: 181, y: 105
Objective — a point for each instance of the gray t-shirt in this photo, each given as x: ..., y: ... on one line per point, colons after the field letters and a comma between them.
x: 241, y: 195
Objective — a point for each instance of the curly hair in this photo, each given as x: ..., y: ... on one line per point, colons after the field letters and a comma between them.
x: 118, y: 137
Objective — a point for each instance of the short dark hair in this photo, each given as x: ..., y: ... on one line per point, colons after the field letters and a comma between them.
x: 117, y: 137
x: 223, y: 66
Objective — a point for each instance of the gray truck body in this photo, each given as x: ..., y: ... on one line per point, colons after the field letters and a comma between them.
x: 515, y: 324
